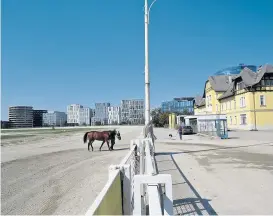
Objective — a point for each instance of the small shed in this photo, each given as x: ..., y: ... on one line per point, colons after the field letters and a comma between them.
x: 209, y: 124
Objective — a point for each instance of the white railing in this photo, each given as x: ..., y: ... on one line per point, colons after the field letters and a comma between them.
x: 147, y: 183
x: 140, y: 184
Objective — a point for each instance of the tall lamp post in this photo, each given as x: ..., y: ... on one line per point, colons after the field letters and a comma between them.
x: 147, y: 76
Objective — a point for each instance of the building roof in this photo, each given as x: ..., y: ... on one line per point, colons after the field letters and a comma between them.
x: 226, y: 83
x: 249, y: 78
x: 229, y: 92
x: 184, y: 99
x: 220, y: 83
x: 199, y: 101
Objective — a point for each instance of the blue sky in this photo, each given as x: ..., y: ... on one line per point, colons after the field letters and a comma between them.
x: 57, y: 52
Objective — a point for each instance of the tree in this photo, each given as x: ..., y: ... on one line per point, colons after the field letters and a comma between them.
x: 97, y: 123
x: 163, y: 119
x: 159, y: 118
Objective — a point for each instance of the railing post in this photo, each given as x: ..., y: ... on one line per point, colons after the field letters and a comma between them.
x: 142, y: 172
x: 153, y: 180
x: 127, y: 192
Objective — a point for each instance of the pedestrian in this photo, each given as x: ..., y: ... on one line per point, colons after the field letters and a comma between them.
x: 180, y: 131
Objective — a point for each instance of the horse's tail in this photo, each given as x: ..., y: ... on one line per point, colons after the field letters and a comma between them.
x: 85, y: 137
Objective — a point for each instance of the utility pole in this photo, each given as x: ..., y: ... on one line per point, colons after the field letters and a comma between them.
x: 147, y: 76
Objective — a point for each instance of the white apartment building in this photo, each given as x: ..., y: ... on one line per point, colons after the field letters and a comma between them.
x: 77, y: 114
x: 114, y: 115
x: 54, y: 118
x: 132, y: 111
x: 101, y: 114
x: 85, y: 116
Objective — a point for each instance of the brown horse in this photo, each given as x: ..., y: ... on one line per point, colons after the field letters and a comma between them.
x: 103, y: 136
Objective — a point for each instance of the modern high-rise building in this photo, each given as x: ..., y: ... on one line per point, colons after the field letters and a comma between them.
x: 93, y: 112
x: 132, y: 111
x: 78, y: 115
x: 180, y: 105
x: 101, y: 114
x: 54, y: 118
x: 114, y: 115
x: 38, y: 117
x: 235, y: 70
x: 21, y: 116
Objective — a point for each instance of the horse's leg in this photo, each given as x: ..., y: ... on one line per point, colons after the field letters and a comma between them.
x: 112, y: 144
x: 107, y: 141
x: 89, y: 145
x: 92, y: 145
x: 102, y: 144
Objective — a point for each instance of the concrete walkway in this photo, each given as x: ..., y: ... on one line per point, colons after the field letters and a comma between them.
x: 213, y: 176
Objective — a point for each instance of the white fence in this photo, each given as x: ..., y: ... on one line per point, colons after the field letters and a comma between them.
x: 139, y: 189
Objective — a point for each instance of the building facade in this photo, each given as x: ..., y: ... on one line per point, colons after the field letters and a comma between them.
x: 78, y: 115
x: 93, y: 112
x: 132, y: 111
x: 180, y: 105
x: 85, y: 116
x: 21, y: 116
x: 246, y: 98
x: 38, y: 117
x: 54, y: 118
x: 5, y: 124
x: 101, y: 114
x: 114, y: 115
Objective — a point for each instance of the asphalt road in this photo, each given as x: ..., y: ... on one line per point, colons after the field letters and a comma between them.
x: 58, y: 175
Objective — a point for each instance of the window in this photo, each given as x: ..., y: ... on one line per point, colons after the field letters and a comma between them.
x: 230, y: 105
x: 240, y: 86
x: 242, y: 102
x: 243, y: 119
x: 262, y: 100
x: 234, y: 104
x: 230, y: 120
x: 235, y: 119
x: 216, y: 107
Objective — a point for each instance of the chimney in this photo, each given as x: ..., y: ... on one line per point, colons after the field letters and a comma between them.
x: 229, y: 79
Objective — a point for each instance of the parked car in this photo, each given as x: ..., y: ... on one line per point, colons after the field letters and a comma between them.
x: 187, y: 130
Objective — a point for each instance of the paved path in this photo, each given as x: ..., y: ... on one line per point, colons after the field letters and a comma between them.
x: 57, y: 176
x: 218, y: 176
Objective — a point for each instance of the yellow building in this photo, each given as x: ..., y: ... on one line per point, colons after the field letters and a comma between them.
x: 172, y: 120
x: 246, y: 98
